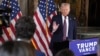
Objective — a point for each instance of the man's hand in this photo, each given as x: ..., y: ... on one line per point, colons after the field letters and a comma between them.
x: 55, y: 26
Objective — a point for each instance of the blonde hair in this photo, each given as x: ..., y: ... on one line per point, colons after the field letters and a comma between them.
x: 65, y: 4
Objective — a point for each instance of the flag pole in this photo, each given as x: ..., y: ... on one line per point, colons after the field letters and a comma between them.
x: 46, y: 18
x: 8, y: 28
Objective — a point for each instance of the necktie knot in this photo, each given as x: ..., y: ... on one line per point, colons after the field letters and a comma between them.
x: 64, y: 17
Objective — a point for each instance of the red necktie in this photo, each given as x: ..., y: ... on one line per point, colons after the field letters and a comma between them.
x: 64, y: 29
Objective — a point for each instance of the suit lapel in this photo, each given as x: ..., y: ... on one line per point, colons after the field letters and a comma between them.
x: 60, y: 19
x: 70, y: 26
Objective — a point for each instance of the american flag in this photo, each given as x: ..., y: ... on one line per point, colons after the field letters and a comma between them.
x: 42, y: 17
x: 9, y: 32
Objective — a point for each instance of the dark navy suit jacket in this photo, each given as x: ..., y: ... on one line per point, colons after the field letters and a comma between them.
x: 58, y: 34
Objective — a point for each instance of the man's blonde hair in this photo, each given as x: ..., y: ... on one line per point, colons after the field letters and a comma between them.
x: 65, y: 4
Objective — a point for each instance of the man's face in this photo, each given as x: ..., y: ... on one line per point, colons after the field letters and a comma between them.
x: 65, y: 10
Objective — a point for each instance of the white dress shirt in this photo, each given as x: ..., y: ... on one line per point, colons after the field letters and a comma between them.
x: 67, y: 22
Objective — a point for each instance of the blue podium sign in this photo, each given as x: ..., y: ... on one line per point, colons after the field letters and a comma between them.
x: 83, y: 47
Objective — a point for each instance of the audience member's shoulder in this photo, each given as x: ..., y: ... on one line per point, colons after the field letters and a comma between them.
x: 65, y: 52
x: 39, y: 53
x: 9, y: 48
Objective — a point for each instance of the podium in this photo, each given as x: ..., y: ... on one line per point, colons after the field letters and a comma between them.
x: 85, y: 47
x: 80, y: 47
x: 57, y: 46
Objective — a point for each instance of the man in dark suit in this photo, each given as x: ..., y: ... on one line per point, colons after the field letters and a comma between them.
x: 57, y: 26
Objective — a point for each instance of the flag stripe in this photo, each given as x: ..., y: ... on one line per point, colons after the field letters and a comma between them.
x: 42, y: 18
x: 41, y: 34
x: 35, y: 44
x: 9, y: 32
x: 4, y: 36
x: 12, y: 28
x: 19, y: 14
x: 1, y: 40
x: 39, y: 43
x: 43, y: 24
x: 42, y: 40
x: 50, y: 17
x: 40, y: 24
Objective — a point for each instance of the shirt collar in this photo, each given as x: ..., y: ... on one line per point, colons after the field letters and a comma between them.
x: 64, y: 16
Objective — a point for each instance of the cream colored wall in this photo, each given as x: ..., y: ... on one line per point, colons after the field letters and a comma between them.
x: 23, y: 6
x: 0, y: 1
x: 35, y: 4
